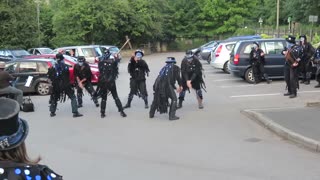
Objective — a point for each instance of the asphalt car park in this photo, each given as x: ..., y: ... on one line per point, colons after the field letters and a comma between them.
x: 217, y: 141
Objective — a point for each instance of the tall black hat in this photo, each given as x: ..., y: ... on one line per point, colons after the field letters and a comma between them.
x: 13, y: 130
x: 291, y: 39
x: 171, y: 60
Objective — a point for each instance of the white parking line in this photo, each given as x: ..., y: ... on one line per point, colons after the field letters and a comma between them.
x: 272, y: 94
x: 217, y: 80
x: 249, y: 85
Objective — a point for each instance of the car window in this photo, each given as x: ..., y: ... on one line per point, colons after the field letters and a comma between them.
x: 45, y: 51
x: 26, y: 67
x: 114, y: 49
x: 37, y: 52
x: 229, y: 47
x: 88, y: 52
x: 98, y: 51
x: 272, y: 47
x: 247, y: 48
x: 19, y: 53
x: 2, y: 53
x: 43, y: 67
x: 11, y: 67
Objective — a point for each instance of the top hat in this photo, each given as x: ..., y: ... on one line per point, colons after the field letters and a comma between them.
x: 171, y: 60
x: 291, y: 39
x: 13, y: 130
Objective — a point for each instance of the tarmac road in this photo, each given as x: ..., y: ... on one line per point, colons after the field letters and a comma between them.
x: 217, y: 142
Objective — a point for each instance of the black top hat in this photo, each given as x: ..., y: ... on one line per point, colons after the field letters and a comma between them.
x: 13, y: 130
x: 291, y: 39
x: 171, y: 60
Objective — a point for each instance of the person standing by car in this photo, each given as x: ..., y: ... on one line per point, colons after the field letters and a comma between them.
x: 82, y: 75
x: 138, y: 69
x: 191, y: 72
x: 61, y: 86
x: 108, y: 68
x: 292, y: 55
x: 5, y: 87
x: 305, y: 64
x: 317, y: 62
x: 15, y: 163
x: 257, y: 62
x: 164, y: 87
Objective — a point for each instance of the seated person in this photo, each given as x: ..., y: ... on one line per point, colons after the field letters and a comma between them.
x: 5, y: 87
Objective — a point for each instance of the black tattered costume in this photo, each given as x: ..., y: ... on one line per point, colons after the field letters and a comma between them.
x: 61, y: 86
x: 138, y: 69
x: 191, y: 70
x: 164, y: 89
x: 109, y: 71
x: 83, y: 75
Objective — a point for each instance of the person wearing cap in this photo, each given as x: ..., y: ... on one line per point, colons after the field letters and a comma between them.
x: 82, y: 75
x: 61, y: 86
x: 191, y: 72
x: 109, y: 71
x: 317, y: 62
x: 138, y: 70
x: 305, y: 64
x: 6, y: 88
x: 164, y: 87
x: 291, y: 67
x: 257, y: 62
x: 15, y: 163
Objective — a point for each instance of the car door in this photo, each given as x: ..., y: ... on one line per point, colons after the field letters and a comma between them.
x: 26, y: 69
x: 274, y: 60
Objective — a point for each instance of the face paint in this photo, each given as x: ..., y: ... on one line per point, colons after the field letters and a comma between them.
x: 255, y: 46
x: 302, y: 39
x: 80, y: 63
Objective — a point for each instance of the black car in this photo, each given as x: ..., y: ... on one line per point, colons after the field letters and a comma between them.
x: 36, y: 68
x: 274, y: 61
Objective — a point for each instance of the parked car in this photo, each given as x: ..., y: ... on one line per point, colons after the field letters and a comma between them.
x: 238, y: 38
x: 112, y: 49
x: 38, y: 51
x: 274, y: 61
x: 90, y: 52
x: 205, y: 50
x: 221, y: 54
x: 71, y: 61
x: 37, y: 68
x: 12, y: 54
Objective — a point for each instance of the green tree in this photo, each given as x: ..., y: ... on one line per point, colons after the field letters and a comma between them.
x: 18, y: 24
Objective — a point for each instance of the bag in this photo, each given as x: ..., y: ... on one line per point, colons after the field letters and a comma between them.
x: 27, y: 105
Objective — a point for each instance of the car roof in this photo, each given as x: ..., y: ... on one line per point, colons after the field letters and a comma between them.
x: 83, y: 46
x: 31, y: 60
x: 260, y: 40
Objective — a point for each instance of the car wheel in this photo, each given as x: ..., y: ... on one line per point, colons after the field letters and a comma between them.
x: 249, y: 76
x: 43, y: 88
x: 225, y: 67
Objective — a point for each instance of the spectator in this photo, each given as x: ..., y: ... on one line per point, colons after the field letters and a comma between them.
x: 5, y: 87
x: 14, y: 161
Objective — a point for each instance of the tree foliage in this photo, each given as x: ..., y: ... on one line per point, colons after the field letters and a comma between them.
x: 78, y: 22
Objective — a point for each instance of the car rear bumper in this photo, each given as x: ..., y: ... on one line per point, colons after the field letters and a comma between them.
x: 237, y: 70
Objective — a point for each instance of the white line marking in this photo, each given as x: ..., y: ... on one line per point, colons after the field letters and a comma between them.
x: 226, y: 80
x: 249, y: 85
x: 272, y: 94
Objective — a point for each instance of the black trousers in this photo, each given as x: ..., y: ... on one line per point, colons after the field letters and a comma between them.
x: 291, y: 78
x: 138, y: 87
x: 318, y: 73
x: 259, y: 72
x: 88, y: 86
x: 55, y: 97
x: 305, y: 69
x: 104, y: 94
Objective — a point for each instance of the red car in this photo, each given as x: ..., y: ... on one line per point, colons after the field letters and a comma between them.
x: 71, y: 61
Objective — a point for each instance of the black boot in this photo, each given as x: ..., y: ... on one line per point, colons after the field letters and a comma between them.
x: 128, y: 105
x: 123, y: 114
x: 152, y: 111
x: 293, y: 95
x: 77, y: 114
x: 287, y: 94
x: 52, y: 114
x: 103, y: 114
x: 172, y: 112
x: 146, y: 106
x: 179, y: 104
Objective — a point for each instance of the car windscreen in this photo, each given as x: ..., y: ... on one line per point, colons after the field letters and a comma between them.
x: 98, y: 51
x: 45, y: 50
x: 20, y: 53
x: 89, y: 52
x: 114, y: 49
x: 11, y: 67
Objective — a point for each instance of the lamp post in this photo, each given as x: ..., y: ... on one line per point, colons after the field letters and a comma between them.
x: 38, y: 21
x: 278, y: 9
